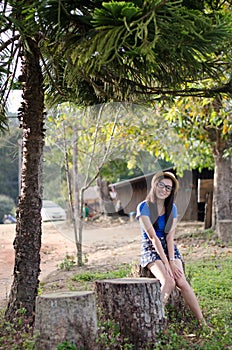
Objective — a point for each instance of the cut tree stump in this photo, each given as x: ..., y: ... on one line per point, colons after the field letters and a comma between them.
x: 135, y: 305
x: 66, y: 316
x: 224, y: 228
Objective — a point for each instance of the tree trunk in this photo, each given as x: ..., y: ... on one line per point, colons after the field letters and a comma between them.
x: 66, y: 316
x: 223, y: 197
x: 28, y: 228
x: 208, y: 210
x: 106, y: 203
x: 222, y: 193
x: 135, y: 305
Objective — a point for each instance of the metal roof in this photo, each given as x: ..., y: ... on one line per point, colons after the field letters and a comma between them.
x: 137, y: 178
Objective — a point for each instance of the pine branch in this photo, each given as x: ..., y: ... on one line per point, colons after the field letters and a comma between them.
x: 5, y: 45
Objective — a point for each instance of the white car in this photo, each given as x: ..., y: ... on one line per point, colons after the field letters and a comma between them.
x: 52, y: 212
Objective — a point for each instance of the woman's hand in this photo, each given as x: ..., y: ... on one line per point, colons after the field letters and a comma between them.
x: 169, y: 270
x: 177, y: 273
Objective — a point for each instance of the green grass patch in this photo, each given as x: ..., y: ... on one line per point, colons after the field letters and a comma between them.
x: 212, y: 282
x: 17, y: 335
x: 90, y: 276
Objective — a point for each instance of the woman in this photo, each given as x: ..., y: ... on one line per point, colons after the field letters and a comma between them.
x: 158, y: 219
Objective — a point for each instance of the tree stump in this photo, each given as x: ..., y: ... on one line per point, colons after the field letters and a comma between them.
x: 135, y: 305
x: 66, y: 316
x: 224, y: 229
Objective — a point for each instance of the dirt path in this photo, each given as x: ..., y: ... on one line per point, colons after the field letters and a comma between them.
x: 99, y: 244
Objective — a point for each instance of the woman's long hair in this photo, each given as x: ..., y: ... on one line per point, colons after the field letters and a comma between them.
x: 168, y: 204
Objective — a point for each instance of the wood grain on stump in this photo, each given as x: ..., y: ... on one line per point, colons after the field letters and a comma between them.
x: 135, y: 304
x: 66, y: 316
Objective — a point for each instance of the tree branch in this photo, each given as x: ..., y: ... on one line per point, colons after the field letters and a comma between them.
x: 9, y: 42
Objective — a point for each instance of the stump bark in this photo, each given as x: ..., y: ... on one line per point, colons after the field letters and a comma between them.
x: 69, y: 316
x: 135, y: 305
x: 224, y: 229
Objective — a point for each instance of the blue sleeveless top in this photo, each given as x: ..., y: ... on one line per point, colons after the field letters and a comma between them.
x: 148, y: 252
x: 143, y: 209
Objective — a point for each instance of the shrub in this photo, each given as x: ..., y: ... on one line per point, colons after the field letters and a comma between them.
x: 67, y: 264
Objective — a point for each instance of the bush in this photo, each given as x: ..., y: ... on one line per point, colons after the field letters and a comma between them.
x: 7, y: 206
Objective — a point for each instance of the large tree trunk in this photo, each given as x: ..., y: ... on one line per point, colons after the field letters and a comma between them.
x: 223, y: 197
x: 28, y: 228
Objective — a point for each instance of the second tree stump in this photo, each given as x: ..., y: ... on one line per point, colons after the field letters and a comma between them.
x: 135, y: 304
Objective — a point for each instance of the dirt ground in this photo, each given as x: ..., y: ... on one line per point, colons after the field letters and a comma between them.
x: 105, y: 244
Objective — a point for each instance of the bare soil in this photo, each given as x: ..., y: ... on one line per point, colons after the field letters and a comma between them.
x: 106, y: 244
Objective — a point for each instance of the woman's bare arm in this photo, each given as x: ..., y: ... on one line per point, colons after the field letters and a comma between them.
x: 170, y: 239
x: 170, y: 244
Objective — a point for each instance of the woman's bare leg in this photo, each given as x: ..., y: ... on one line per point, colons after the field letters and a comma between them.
x: 157, y: 268
x: 188, y: 294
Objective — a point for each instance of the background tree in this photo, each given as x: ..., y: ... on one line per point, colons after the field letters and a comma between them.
x: 88, y: 139
x: 205, y: 126
x: 7, y: 206
x: 9, y: 160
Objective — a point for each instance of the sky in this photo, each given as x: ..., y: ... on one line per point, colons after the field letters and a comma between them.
x: 14, y: 101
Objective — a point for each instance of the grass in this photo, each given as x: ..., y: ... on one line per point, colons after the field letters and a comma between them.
x: 120, y: 272
x: 212, y: 282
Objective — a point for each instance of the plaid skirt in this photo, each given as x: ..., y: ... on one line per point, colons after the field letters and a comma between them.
x: 149, y: 254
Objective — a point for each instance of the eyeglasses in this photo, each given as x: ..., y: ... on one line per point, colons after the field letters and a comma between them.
x: 168, y: 188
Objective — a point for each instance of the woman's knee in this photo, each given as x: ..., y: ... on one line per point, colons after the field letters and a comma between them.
x: 170, y: 283
x: 183, y: 284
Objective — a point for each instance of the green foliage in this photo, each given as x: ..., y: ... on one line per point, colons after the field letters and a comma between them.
x: 66, y: 345
x: 17, y: 335
x: 132, y: 50
x: 93, y: 276
x: 117, y: 170
x: 115, y: 12
x: 54, y: 177
x: 211, y: 280
x: 109, y: 337
x: 9, y: 162
x: 7, y: 206
x: 135, y: 148
x: 204, y: 127
x: 144, y: 36
x: 67, y: 264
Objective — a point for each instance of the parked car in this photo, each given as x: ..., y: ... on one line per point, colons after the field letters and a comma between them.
x: 52, y: 211
x: 8, y: 219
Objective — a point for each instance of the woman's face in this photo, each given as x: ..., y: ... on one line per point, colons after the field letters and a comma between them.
x: 163, y: 188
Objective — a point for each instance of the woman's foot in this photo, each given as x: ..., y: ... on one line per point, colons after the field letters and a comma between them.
x: 203, y: 325
x: 202, y: 322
